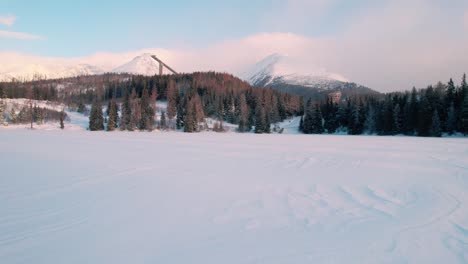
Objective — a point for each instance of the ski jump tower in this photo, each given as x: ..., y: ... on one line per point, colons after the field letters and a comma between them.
x: 162, y: 65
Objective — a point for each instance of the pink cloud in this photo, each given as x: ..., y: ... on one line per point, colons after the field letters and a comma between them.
x: 7, y: 20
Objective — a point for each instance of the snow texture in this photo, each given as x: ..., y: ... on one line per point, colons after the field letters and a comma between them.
x: 98, y: 197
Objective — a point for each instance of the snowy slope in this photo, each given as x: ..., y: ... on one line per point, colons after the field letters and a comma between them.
x: 84, y: 197
x: 277, y: 69
x: 75, y: 120
x: 144, y: 65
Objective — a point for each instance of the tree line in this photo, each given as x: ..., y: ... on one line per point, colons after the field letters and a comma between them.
x: 191, y: 98
x: 432, y: 111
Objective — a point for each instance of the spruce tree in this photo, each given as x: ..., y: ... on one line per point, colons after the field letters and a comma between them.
x: 308, y: 124
x: 12, y: 118
x: 424, y: 117
x: 450, y: 93
x: 135, y: 111
x: 370, y: 124
x: 464, y: 115
x: 2, y: 111
x: 436, y: 130
x: 317, y: 121
x: 113, y: 116
x: 96, y: 119
x: 163, y: 121
x: 81, y: 107
x: 397, y: 120
x: 126, y: 113
x: 354, y: 123
x: 260, y: 119
x: 244, y: 125
x: 331, y: 123
x: 62, y: 117
x: 171, y: 102
x: 145, y: 110
x: 301, y: 124
x: 451, y: 120
x: 190, y: 122
x: 413, y: 112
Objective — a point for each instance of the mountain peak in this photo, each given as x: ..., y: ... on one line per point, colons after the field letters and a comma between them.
x: 143, y: 64
x: 279, y: 68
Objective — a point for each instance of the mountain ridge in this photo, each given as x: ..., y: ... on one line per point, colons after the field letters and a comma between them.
x: 291, y: 75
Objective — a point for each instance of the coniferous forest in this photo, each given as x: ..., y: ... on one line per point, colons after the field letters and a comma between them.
x: 191, y: 98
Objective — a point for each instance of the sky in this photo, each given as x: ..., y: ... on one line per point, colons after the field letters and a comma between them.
x: 384, y: 44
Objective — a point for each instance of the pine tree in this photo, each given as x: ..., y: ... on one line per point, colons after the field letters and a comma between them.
x: 244, y: 124
x: 260, y: 119
x: 81, y: 107
x: 12, y: 116
x: 330, y: 116
x: 424, y: 118
x: 451, y: 120
x: 464, y: 115
x: 413, y: 112
x: 397, y: 120
x: 171, y: 102
x: 145, y: 110
x: 2, y: 111
x: 126, y: 111
x: 62, y: 117
x: 370, y: 125
x: 317, y: 121
x: 163, y: 121
x: 301, y: 124
x: 450, y: 94
x: 96, y: 120
x: 190, y: 123
x: 355, y: 124
x: 113, y: 116
x: 135, y: 110
x: 436, y: 130
x: 308, y: 123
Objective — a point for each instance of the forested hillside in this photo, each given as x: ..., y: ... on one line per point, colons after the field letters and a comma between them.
x: 191, y: 98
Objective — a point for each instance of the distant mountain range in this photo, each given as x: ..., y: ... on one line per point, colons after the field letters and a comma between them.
x: 289, y: 75
x: 143, y: 64
x: 277, y: 71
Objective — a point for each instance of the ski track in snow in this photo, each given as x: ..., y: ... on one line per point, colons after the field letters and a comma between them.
x: 97, y: 197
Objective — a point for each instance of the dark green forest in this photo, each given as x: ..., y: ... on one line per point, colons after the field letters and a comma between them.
x: 131, y: 105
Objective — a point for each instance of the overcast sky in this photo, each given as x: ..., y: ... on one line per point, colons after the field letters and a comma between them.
x: 384, y: 44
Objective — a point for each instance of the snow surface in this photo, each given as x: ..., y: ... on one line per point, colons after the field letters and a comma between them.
x: 278, y: 68
x: 97, y: 197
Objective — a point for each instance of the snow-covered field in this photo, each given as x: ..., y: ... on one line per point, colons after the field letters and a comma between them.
x: 97, y: 197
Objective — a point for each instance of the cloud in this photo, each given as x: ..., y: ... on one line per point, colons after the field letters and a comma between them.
x: 18, y: 35
x: 7, y: 20
x: 295, y: 14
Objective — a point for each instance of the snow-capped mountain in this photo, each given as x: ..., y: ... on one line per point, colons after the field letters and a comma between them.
x: 279, y: 69
x: 144, y: 65
x: 296, y: 76
x: 80, y: 70
x: 47, y: 71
